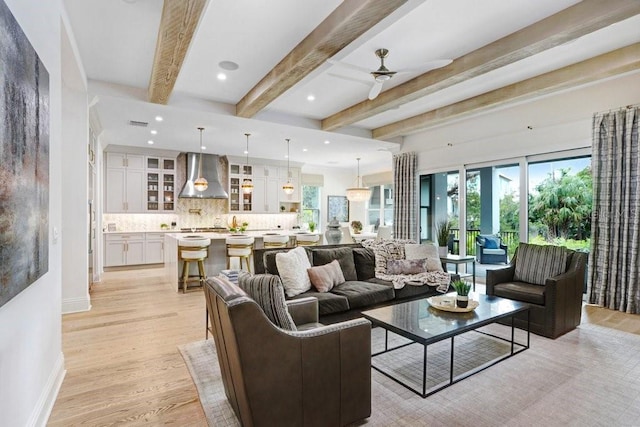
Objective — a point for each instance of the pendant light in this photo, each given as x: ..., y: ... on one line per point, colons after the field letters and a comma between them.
x: 200, y: 184
x: 288, y: 187
x: 247, y: 184
x: 359, y: 193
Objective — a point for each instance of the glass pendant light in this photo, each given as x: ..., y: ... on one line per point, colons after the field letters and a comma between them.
x: 200, y: 184
x: 359, y: 193
x: 288, y: 187
x: 247, y: 184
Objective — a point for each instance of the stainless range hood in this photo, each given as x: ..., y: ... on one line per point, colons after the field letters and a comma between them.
x: 209, y: 172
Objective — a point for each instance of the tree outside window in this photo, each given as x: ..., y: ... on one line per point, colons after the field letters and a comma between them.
x: 311, y: 204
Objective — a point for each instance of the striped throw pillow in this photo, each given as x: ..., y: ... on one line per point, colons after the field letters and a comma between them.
x: 536, y: 263
x: 267, y: 291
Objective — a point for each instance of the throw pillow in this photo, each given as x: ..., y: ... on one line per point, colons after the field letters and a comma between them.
x: 344, y: 257
x: 267, y: 291
x: 536, y: 263
x: 406, y: 266
x: 425, y: 251
x: 491, y: 242
x: 292, y: 267
x: 325, y: 277
x: 365, y: 262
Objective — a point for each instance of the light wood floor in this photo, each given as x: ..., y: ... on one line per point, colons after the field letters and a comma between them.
x: 123, y: 365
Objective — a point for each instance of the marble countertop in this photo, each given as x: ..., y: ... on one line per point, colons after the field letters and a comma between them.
x: 254, y: 233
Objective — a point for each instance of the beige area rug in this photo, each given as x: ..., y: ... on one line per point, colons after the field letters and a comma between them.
x: 588, y: 377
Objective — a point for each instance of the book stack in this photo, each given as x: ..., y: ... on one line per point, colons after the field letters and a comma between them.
x: 230, y: 275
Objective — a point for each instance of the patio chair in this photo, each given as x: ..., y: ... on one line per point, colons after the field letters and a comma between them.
x: 490, y: 250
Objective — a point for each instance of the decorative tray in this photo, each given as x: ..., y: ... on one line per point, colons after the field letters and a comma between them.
x: 448, y: 303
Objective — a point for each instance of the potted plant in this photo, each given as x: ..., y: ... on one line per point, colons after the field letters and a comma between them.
x: 462, y: 289
x: 312, y: 226
x: 357, y: 226
x: 243, y: 227
x: 443, y: 229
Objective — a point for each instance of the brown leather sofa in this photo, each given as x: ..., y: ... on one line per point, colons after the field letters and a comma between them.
x: 555, y: 307
x: 275, y: 377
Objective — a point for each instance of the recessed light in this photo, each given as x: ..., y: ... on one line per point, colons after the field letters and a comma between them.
x: 246, y: 152
x: 150, y: 142
x: 327, y: 142
x: 228, y: 65
x: 311, y: 97
x: 304, y: 149
x: 154, y: 132
x: 203, y: 147
x: 159, y: 118
x: 222, y: 76
x: 286, y: 156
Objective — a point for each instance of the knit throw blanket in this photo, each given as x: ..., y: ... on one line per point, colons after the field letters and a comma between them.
x: 387, y: 250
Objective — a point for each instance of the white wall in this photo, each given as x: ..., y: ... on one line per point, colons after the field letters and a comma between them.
x: 31, y: 360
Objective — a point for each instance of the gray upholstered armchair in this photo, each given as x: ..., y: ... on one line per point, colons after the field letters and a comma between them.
x: 490, y: 250
x: 273, y: 376
x: 548, y: 278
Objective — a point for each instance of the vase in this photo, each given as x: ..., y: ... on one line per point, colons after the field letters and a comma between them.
x: 443, y: 251
x: 333, y: 233
x: 462, y: 301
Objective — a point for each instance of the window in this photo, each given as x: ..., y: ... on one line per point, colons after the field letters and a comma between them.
x: 311, y: 204
x: 380, y: 208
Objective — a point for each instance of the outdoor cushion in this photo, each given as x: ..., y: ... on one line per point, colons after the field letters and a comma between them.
x: 267, y: 291
x: 491, y: 242
x: 493, y: 251
x: 536, y: 263
x: 362, y: 294
x: 344, y: 257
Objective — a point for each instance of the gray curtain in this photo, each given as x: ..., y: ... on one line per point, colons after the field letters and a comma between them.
x: 404, y: 196
x: 615, y: 223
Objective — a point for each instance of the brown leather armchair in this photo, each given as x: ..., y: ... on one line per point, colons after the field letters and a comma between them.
x: 555, y: 307
x: 271, y: 376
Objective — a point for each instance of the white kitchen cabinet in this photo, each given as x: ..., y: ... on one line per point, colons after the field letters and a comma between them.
x: 154, y: 248
x: 265, y: 191
x: 124, y: 183
x: 239, y: 201
x: 124, y: 249
x: 160, y: 189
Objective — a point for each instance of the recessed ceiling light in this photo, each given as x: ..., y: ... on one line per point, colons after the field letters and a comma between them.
x: 203, y: 147
x: 154, y: 132
x: 150, y: 142
x: 228, y: 65
x: 327, y: 142
x: 246, y: 152
x: 286, y: 156
x: 222, y: 76
x: 304, y: 149
x: 311, y: 97
x: 159, y: 118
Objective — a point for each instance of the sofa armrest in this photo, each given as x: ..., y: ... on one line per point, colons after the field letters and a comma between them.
x: 499, y: 275
x: 303, y: 310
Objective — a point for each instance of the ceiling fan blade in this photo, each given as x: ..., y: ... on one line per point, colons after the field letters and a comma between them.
x: 348, y: 66
x: 375, y: 89
x: 366, y: 82
x: 428, y: 66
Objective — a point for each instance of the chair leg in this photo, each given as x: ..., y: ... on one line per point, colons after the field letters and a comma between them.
x: 246, y: 261
x: 185, y: 275
x: 201, y: 272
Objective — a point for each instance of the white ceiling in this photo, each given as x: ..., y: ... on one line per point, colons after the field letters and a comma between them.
x: 116, y: 43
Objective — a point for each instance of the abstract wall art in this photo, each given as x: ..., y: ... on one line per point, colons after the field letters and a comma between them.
x: 24, y: 160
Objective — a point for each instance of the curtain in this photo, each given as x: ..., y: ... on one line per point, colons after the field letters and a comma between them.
x: 404, y: 196
x: 612, y: 279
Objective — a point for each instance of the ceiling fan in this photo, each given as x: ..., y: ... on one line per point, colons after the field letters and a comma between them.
x: 383, y: 74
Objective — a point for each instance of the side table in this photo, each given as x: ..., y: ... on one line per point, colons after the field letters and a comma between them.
x: 457, y: 260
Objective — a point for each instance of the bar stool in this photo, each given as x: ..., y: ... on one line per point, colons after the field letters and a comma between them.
x: 275, y: 240
x: 307, y: 239
x: 239, y: 247
x: 193, y: 249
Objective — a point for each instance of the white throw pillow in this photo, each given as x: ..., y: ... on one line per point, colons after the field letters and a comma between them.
x: 292, y: 267
x: 426, y: 251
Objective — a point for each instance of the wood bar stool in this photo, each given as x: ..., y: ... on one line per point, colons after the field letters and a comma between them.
x: 275, y: 240
x: 239, y: 247
x: 307, y: 239
x: 193, y: 249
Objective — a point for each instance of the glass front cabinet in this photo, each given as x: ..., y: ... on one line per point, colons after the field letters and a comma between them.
x: 239, y: 201
x: 161, y: 191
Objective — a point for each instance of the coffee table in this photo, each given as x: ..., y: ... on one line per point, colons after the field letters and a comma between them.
x: 426, y: 325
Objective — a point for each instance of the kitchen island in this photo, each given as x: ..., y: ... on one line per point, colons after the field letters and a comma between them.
x: 216, y: 259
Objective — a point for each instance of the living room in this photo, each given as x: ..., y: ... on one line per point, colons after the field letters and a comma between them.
x: 555, y: 124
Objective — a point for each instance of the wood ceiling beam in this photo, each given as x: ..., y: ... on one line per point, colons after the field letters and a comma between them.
x: 562, y: 27
x: 610, y: 64
x: 344, y: 25
x: 177, y: 26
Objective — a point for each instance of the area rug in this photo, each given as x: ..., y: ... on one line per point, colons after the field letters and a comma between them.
x: 590, y: 376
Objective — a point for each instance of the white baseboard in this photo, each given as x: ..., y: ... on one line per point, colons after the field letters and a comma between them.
x: 75, y: 305
x: 47, y: 399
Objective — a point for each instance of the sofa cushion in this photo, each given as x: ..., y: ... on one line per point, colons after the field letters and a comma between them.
x: 325, y: 277
x: 424, y: 251
x: 536, y: 263
x: 267, y: 291
x: 365, y: 262
x: 292, y: 267
x: 328, y: 302
x: 406, y: 266
x: 520, y: 291
x: 344, y: 257
x: 363, y: 294
x: 269, y: 260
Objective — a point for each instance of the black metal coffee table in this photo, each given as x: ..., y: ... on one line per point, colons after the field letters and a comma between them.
x: 423, y: 324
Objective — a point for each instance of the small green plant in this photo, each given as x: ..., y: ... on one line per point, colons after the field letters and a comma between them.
x: 462, y: 288
x: 243, y: 227
x: 443, y: 229
x: 164, y: 226
x: 357, y: 226
x: 312, y: 226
